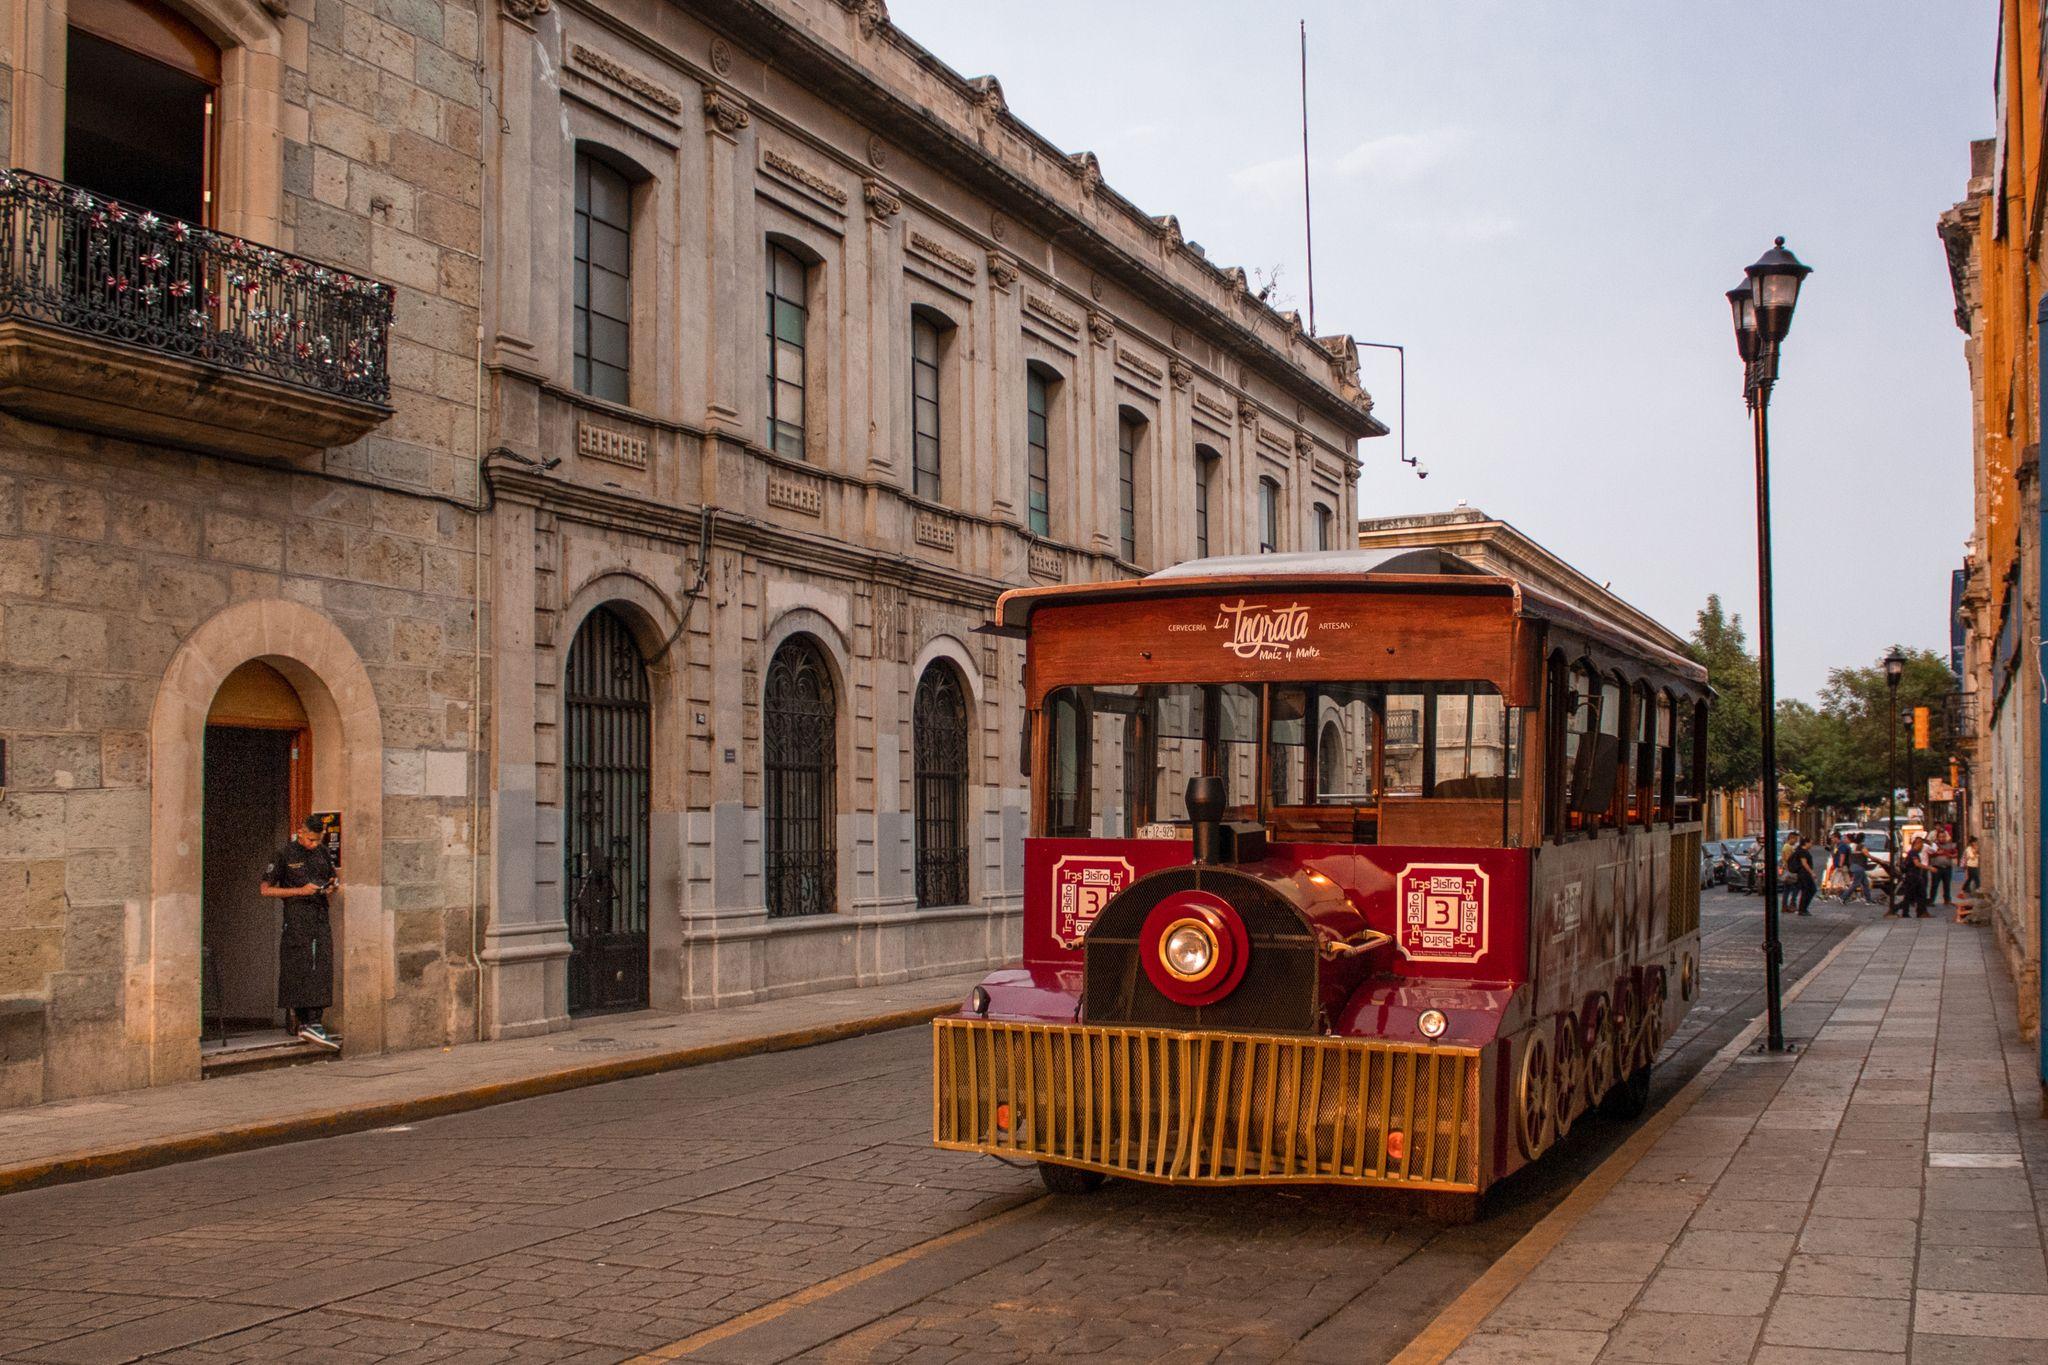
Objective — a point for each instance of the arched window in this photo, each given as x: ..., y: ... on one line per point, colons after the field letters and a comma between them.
x: 927, y: 341
x: 938, y: 725
x: 799, y: 727
x: 141, y: 95
x: 789, y: 282
x: 1130, y: 430
x: 1332, y: 768
x: 1269, y: 515
x: 1039, y: 386
x: 1206, y: 461
x: 603, y: 320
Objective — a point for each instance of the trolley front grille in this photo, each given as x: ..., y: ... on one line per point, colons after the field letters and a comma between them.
x: 1208, y: 1108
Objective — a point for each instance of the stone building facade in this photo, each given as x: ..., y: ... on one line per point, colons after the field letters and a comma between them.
x: 576, y: 445
x: 802, y: 348
x: 238, y: 520
x: 1997, y: 273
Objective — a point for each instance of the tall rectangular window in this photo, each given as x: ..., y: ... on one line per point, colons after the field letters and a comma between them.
x: 924, y: 406
x: 1127, y: 434
x: 604, y: 286
x: 1269, y: 516
x: 1323, y: 521
x: 1037, y: 438
x: 788, y: 315
x: 1205, y: 469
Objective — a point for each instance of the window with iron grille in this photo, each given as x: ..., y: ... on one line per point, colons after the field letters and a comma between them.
x: 924, y: 405
x: 1269, y: 516
x: 939, y: 739
x: 1129, y: 430
x: 1038, y: 440
x: 799, y: 731
x: 788, y: 318
x: 604, y: 285
x: 1205, y: 469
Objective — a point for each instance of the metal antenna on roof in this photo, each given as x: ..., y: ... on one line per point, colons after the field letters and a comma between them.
x: 1308, y: 226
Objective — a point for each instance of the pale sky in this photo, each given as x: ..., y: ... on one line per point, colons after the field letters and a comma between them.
x: 1545, y: 201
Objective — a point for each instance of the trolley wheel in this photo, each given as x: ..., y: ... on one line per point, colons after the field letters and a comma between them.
x: 1630, y: 1099
x: 1069, y: 1179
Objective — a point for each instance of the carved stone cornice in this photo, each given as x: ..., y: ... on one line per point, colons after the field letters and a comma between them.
x: 871, y: 13
x: 988, y: 96
x: 1100, y: 328
x: 883, y: 204
x: 1087, y: 169
x: 1180, y: 372
x: 1247, y: 412
x: 1002, y: 271
x: 1168, y: 228
x: 727, y: 111
x: 526, y: 11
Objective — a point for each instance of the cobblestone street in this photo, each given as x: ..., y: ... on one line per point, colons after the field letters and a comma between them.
x: 776, y: 1207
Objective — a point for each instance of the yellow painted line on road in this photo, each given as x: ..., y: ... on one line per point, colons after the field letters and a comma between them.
x: 825, y: 1289
x: 1463, y: 1315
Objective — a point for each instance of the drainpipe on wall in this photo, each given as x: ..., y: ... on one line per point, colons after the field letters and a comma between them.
x: 2040, y: 647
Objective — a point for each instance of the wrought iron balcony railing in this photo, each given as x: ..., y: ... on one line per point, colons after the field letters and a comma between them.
x: 72, y: 259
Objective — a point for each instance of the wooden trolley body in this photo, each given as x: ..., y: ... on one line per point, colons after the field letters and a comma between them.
x: 1450, y: 903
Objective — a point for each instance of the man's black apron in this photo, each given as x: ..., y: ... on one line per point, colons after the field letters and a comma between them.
x: 305, y: 950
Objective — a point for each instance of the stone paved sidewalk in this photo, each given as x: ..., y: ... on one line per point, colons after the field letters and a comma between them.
x: 1881, y: 1194
x: 131, y: 1129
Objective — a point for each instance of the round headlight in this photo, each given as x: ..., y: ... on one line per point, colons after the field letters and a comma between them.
x: 1189, y: 950
x: 1432, y: 1023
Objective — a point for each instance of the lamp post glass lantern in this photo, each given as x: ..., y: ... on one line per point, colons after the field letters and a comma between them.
x: 1761, y: 321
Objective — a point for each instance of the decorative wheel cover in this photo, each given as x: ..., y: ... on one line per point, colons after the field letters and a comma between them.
x: 1533, y: 1100
x: 1600, y: 1053
x: 1570, y: 1068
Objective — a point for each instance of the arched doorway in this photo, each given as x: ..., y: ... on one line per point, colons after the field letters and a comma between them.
x: 258, y: 785
x: 800, y: 735
x: 607, y: 743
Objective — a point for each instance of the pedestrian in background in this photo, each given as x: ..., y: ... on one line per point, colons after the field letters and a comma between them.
x: 1970, y: 865
x: 1804, y: 887
x: 301, y: 874
x: 1912, y: 879
x: 1941, y: 862
x: 1859, y: 871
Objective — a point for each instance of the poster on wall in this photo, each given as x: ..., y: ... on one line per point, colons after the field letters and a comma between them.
x: 330, y: 834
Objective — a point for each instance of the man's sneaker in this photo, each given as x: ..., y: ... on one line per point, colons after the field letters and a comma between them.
x: 320, y: 1037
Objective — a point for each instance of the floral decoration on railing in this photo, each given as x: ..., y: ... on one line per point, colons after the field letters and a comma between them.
x: 94, y: 265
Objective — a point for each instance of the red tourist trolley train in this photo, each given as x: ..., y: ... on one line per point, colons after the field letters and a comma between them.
x: 1344, y: 868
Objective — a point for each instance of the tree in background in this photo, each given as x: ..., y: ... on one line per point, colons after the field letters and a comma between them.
x: 1735, y: 746
x: 1845, y: 749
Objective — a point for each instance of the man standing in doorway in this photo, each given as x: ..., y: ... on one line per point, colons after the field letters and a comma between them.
x: 301, y: 875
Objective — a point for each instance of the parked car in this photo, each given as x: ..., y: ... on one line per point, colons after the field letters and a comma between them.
x: 1739, y: 868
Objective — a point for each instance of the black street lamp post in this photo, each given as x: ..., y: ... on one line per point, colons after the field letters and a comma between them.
x: 1894, y: 670
x: 1763, y: 305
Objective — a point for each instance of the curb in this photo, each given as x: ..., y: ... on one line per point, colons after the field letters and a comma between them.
x: 1463, y: 1315
x: 142, y: 1156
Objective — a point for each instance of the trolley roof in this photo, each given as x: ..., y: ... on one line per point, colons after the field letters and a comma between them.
x: 1420, y: 571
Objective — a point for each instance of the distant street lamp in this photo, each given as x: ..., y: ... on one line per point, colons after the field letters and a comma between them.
x: 1894, y: 671
x: 1762, y: 305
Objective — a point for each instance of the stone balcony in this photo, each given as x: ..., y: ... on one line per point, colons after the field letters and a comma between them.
x: 122, y: 321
